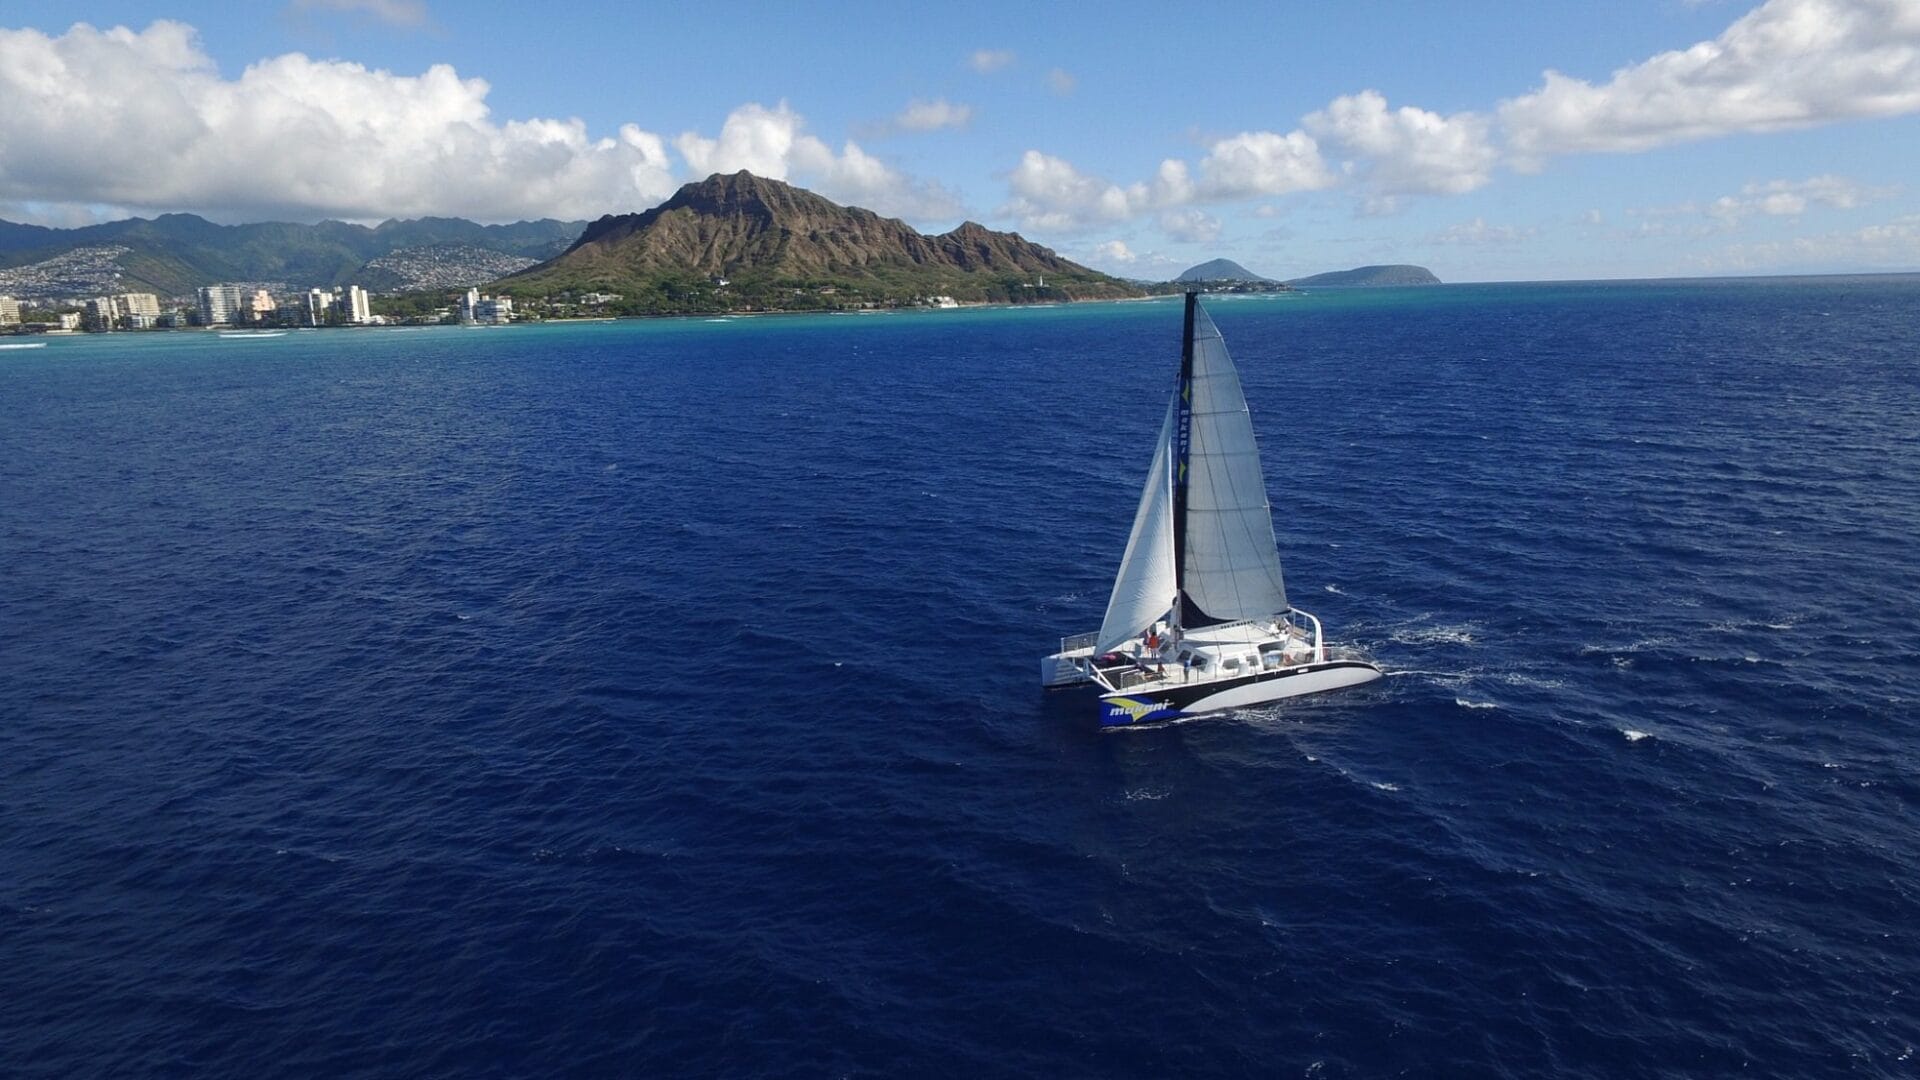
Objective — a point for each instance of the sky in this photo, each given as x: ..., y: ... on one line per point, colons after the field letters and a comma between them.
x: 1487, y: 140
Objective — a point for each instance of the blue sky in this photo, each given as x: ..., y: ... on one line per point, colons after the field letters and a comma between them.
x: 1673, y: 138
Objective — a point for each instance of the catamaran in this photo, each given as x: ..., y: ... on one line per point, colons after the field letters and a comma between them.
x: 1199, y: 619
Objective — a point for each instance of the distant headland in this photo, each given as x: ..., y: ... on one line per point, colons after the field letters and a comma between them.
x: 1396, y: 274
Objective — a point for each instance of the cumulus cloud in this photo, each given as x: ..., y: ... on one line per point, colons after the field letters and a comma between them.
x: 392, y: 12
x: 1049, y: 193
x: 1406, y: 151
x: 1060, y: 82
x: 1258, y: 163
x: 143, y: 120
x: 988, y: 61
x: 1786, y: 64
x: 773, y: 143
x: 1114, y: 251
x: 933, y: 115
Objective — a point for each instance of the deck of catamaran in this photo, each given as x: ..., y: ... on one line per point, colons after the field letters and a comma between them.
x: 1160, y: 659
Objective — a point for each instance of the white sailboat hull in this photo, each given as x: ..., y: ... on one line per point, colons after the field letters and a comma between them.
x: 1153, y: 704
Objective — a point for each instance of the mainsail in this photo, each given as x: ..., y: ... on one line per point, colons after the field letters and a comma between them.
x: 1203, y: 531
x: 1230, y: 567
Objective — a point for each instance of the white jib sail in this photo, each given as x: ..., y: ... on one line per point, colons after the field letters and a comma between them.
x: 1232, y: 566
x: 1143, y: 589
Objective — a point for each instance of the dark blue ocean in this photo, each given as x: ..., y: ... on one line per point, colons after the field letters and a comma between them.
x: 661, y: 698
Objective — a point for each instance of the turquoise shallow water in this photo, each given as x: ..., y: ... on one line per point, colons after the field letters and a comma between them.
x: 660, y: 697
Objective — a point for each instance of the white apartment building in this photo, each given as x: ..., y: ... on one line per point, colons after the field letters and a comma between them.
x: 219, y: 304
x: 356, y: 305
x: 494, y: 310
x: 9, y: 311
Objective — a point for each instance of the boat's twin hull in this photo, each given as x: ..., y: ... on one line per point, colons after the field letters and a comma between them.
x: 1176, y: 702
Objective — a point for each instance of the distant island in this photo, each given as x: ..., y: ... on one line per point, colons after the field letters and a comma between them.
x: 1221, y: 270
x: 1396, y: 274
x: 1225, y: 275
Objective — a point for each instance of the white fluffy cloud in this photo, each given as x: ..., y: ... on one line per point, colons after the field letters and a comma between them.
x: 1786, y: 64
x: 1114, y: 251
x: 1049, y: 193
x: 773, y: 143
x: 1406, y: 151
x: 1258, y: 163
x: 142, y: 120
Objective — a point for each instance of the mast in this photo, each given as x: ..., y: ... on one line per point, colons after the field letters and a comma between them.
x: 1182, y: 443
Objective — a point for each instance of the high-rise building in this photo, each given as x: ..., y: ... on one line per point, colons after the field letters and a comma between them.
x: 137, y: 304
x: 319, y: 304
x: 9, y: 311
x: 100, y: 313
x: 358, y: 310
x: 219, y: 304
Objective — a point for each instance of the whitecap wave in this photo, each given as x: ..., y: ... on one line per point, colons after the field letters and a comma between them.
x: 1461, y: 634
x: 1465, y: 704
x: 1635, y: 736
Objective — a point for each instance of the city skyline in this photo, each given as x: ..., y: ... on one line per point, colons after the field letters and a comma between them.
x: 1655, y: 138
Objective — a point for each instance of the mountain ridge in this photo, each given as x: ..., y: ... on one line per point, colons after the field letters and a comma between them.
x: 173, y: 254
x: 778, y: 246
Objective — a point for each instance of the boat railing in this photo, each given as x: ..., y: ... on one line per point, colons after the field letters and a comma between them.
x: 1319, y: 643
x: 1073, y: 642
x: 1128, y: 678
